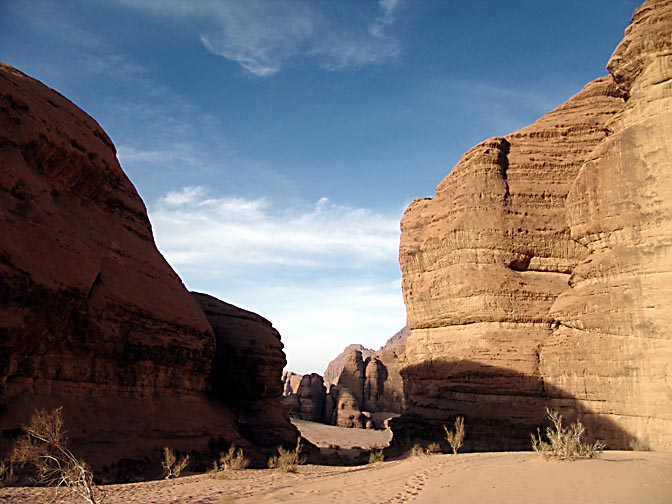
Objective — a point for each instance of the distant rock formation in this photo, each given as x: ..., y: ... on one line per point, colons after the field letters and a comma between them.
x: 307, y: 400
x: 541, y: 271
x: 290, y: 382
x: 92, y: 317
x: 367, y: 390
x: 334, y: 369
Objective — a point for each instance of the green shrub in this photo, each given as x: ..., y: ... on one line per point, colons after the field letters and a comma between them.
x: 564, y: 443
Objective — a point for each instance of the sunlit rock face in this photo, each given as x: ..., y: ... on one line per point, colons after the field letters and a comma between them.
x: 92, y: 317
x: 540, y: 273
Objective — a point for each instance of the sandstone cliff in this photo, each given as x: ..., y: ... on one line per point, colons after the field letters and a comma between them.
x: 91, y: 315
x: 539, y: 274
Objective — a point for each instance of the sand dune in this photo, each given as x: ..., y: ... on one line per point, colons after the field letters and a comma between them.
x: 617, y: 477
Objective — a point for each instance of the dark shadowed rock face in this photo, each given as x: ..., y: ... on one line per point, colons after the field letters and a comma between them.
x: 92, y: 317
x: 304, y: 396
x: 539, y: 274
x: 247, y: 371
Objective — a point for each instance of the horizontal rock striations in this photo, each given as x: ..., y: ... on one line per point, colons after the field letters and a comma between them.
x: 539, y: 273
x: 246, y: 373
x: 92, y: 317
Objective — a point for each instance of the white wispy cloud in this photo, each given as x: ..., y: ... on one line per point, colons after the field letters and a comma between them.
x: 387, y: 17
x: 265, y: 36
x: 326, y: 275
x: 193, y: 226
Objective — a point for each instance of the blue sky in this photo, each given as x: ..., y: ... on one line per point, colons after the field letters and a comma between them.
x: 276, y: 143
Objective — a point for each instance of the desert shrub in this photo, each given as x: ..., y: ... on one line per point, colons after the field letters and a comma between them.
x: 456, y: 438
x: 564, y: 443
x: 639, y: 445
x: 376, y: 456
x: 433, y: 448
x: 233, y: 460
x: 3, y: 471
x: 172, y: 466
x: 287, y: 460
x: 43, y: 446
x: 417, y: 451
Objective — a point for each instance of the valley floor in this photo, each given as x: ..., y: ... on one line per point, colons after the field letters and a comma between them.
x: 617, y: 477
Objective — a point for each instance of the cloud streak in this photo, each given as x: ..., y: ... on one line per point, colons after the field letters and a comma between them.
x: 265, y: 37
x: 326, y: 275
x: 194, y: 227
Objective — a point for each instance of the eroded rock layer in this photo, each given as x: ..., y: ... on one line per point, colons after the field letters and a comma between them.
x: 539, y: 274
x: 92, y: 318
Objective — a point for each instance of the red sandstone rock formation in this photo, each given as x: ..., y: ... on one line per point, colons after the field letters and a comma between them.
x: 246, y: 372
x: 91, y: 315
x: 539, y: 274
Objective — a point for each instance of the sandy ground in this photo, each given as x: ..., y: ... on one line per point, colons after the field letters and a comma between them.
x: 615, y: 478
x: 328, y: 436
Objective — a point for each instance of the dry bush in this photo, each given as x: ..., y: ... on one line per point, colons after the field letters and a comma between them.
x: 43, y: 446
x: 564, y: 443
x: 417, y: 451
x: 172, y: 467
x: 233, y: 460
x: 287, y: 460
x: 3, y: 471
x: 639, y: 445
x: 433, y: 448
x: 456, y: 439
x: 376, y: 456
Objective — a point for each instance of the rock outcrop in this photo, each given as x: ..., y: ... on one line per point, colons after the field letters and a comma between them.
x: 367, y: 391
x: 333, y: 371
x: 92, y: 317
x: 539, y: 274
x: 307, y: 401
x: 246, y: 372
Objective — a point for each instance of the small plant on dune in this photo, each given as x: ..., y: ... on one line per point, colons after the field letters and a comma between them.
x: 433, y: 448
x: 376, y: 456
x: 564, y: 443
x: 43, y: 446
x: 287, y: 460
x: 3, y: 471
x: 456, y: 438
x: 172, y: 466
x: 417, y: 450
x: 233, y: 460
x: 639, y: 445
